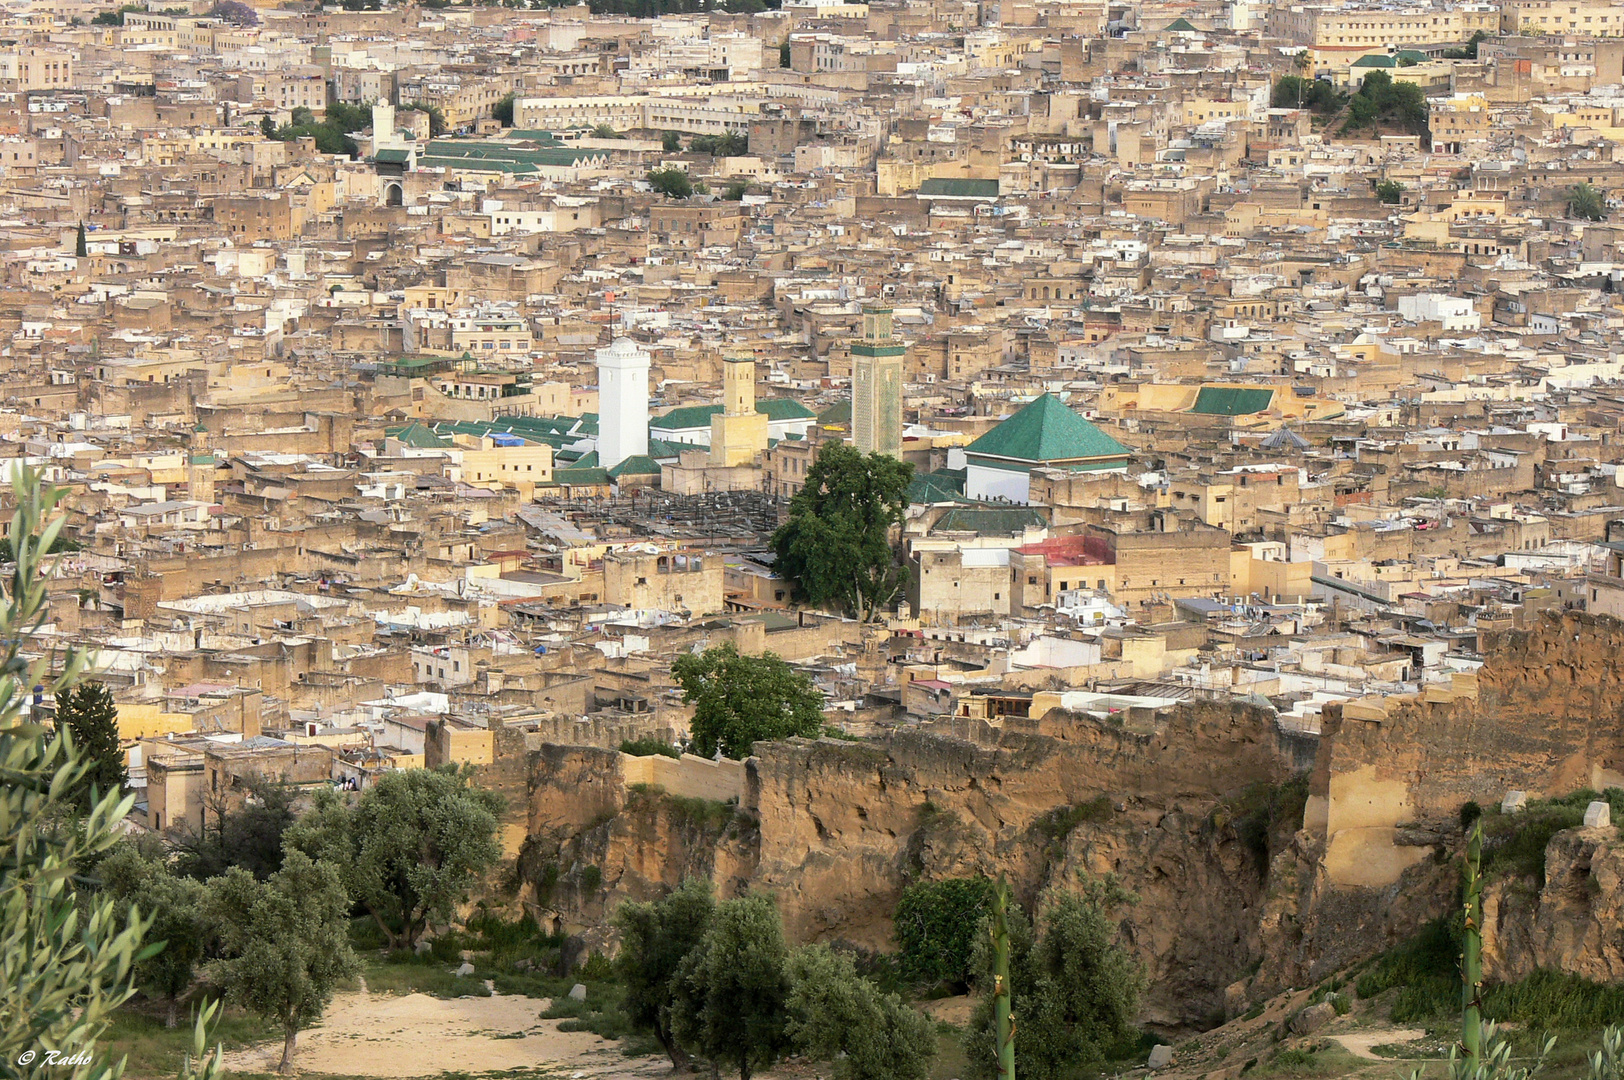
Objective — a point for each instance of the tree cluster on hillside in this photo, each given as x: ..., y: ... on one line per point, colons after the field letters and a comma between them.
x: 728, y: 144
x: 331, y: 132
x: 936, y: 924
x: 1316, y: 95
x: 1384, y: 102
x: 719, y: 981
x: 837, y: 544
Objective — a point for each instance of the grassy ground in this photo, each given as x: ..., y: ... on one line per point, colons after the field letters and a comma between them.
x: 950, y: 1061
x: 515, y: 957
x: 153, y: 1050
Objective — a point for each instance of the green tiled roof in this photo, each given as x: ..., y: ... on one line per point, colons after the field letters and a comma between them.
x: 838, y: 413
x: 586, y: 461
x: 659, y: 448
x: 392, y: 157
x: 944, y: 485
x: 581, y: 476
x: 1232, y: 400
x: 963, y: 189
x: 1047, y: 430
x: 690, y: 416
x: 986, y: 521
x: 480, y: 156
x: 1375, y: 60
x: 636, y: 465
x: 1181, y: 26
x: 417, y: 435
x: 784, y: 409
x: 695, y: 416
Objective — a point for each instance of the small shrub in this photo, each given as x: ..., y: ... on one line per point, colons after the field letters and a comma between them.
x: 1470, y: 811
x: 649, y: 747
x: 591, y: 879
x: 1058, y: 824
x: 1341, y: 1003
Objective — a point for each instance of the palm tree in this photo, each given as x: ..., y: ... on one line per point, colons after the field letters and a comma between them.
x: 1301, y: 62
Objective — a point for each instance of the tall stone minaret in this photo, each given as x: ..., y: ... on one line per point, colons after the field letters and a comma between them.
x: 200, y: 466
x: 738, y: 432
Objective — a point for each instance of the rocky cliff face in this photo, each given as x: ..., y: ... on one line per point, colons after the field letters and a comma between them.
x: 1200, y: 814
x: 1180, y: 814
x: 1573, y: 923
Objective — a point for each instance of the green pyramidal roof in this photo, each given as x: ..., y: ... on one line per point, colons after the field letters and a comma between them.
x: 1047, y: 430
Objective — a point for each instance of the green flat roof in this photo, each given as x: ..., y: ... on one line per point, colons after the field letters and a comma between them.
x: 961, y: 189
x: 581, y: 476
x: 988, y: 521
x: 1232, y: 400
x: 1047, y: 430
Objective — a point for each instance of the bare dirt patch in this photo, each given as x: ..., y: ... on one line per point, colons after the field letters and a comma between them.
x: 1360, y: 1043
x: 386, y: 1036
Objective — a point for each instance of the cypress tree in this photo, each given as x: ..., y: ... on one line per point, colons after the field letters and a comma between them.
x: 88, y: 712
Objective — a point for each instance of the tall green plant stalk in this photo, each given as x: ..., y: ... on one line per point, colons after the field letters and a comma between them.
x: 1471, y: 968
x: 1000, y: 981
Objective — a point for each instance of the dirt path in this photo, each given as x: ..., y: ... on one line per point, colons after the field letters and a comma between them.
x: 382, y: 1035
x: 1359, y: 1043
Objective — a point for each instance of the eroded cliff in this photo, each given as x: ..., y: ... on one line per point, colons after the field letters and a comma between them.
x: 1181, y: 814
x: 1200, y: 814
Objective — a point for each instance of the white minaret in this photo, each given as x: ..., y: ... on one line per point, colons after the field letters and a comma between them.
x: 622, y: 402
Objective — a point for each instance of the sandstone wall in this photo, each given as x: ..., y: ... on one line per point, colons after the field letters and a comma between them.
x: 1545, y: 715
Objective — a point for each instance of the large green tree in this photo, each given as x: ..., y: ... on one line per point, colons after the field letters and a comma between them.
x: 837, y: 1015
x: 175, y: 907
x: 655, y: 938
x: 67, y: 959
x: 87, y: 710
x: 81, y: 244
x: 673, y: 182
x: 837, y: 545
x: 1074, y: 988
x: 502, y: 111
x: 285, y: 943
x: 936, y: 926
x: 248, y: 835
x: 409, y: 849
x: 740, y: 699
x: 732, y: 990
